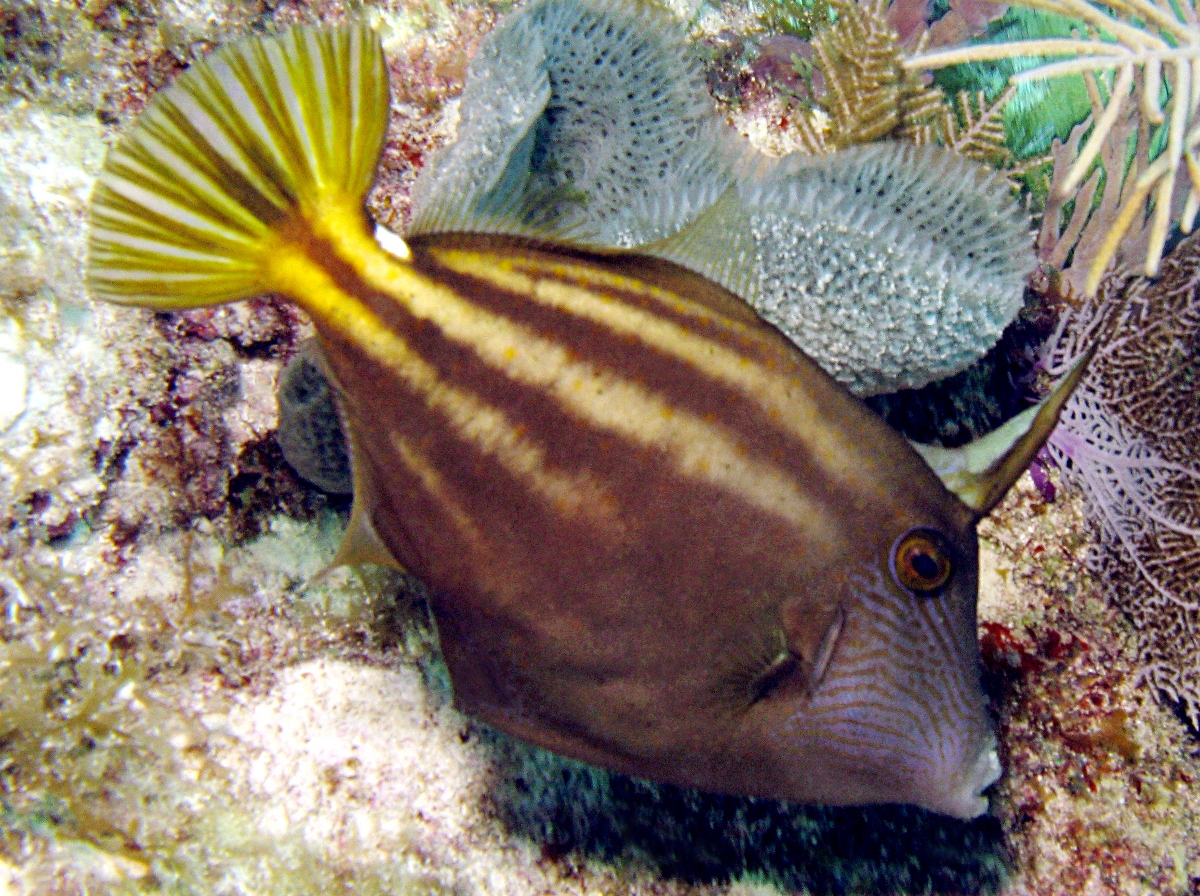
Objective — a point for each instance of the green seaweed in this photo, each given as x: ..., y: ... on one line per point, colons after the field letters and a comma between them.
x: 1031, y: 121
x: 800, y: 18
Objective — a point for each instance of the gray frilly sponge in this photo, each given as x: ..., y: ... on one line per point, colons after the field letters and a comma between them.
x: 891, y: 265
x: 580, y: 120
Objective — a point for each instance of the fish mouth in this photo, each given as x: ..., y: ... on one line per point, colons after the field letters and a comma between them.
x: 968, y: 801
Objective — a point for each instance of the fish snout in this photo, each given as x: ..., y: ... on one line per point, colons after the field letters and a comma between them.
x: 984, y: 773
x: 901, y: 706
x: 965, y: 797
x: 951, y: 778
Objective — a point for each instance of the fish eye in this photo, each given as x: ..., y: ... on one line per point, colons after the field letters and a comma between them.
x: 921, y: 561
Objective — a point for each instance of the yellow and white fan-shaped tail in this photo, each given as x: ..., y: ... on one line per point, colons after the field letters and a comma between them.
x: 247, y: 148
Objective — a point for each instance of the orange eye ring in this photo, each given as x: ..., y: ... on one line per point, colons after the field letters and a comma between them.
x: 921, y: 561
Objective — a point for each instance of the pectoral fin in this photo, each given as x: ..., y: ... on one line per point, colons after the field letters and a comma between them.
x: 982, y: 472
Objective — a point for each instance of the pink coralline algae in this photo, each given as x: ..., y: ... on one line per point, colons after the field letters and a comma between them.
x: 1130, y: 437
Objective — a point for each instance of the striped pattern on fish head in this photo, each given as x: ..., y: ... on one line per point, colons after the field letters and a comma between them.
x: 659, y: 537
x: 898, y: 708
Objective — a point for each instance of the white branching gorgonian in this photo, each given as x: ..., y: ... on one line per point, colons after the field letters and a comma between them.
x: 1161, y: 40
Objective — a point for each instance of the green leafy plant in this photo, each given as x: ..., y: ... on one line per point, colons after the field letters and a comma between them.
x: 801, y: 18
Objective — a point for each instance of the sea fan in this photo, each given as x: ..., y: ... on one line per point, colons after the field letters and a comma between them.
x: 1138, y: 48
x: 1130, y: 438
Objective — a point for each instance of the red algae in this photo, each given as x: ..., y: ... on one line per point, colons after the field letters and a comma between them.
x: 1091, y: 799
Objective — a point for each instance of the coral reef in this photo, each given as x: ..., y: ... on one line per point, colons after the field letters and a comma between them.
x: 166, y: 654
x: 867, y: 93
x: 1142, y: 50
x: 858, y: 86
x: 1098, y: 795
x: 1114, y: 189
x: 1070, y: 245
x: 556, y: 135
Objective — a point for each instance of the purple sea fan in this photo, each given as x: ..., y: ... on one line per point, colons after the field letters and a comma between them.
x: 1130, y: 438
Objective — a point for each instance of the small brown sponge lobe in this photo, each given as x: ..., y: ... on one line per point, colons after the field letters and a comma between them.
x: 310, y: 431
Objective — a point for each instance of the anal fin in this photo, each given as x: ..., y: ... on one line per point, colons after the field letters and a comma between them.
x: 361, y: 542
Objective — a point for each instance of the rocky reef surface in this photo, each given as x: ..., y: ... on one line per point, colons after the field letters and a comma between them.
x: 186, y: 706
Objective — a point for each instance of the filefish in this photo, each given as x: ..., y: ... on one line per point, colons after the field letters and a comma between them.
x: 658, y: 537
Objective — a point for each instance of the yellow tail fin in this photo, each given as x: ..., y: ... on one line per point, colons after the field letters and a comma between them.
x: 261, y: 136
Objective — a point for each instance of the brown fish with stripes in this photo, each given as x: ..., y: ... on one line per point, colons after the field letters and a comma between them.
x: 659, y: 538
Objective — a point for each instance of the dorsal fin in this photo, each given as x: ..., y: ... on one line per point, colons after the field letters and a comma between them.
x: 718, y: 244
x: 981, y: 472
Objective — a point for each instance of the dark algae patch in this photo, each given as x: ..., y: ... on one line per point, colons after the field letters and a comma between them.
x: 568, y: 808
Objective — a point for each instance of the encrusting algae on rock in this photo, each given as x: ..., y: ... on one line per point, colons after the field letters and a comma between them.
x: 658, y: 537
